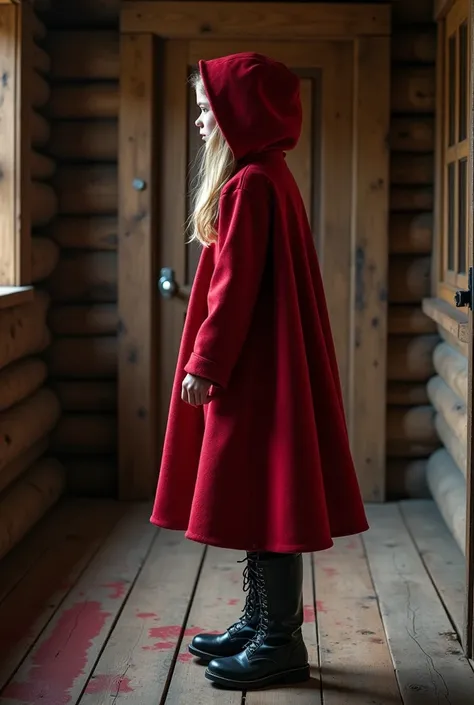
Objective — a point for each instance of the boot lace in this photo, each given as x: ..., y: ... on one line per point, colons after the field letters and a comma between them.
x: 251, y: 600
x: 264, y: 620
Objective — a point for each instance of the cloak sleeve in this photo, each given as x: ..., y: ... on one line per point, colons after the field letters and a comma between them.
x: 243, y: 234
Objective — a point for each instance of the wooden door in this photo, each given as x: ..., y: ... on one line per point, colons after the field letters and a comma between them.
x: 340, y: 165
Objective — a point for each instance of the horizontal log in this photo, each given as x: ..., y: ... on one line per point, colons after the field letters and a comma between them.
x: 26, y: 423
x: 449, y: 406
x: 406, y: 478
x: 411, y: 233
x: 42, y: 167
x: 456, y: 449
x: 85, y: 433
x: 460, y: 346
x: 87, y: 190
x: 85, y: 54
x: 411, y: 198
x: 40, y: 90
x: 84, y: 13
x: 40, y: 129
x: 412, y: 134
x: 84, y: 396
x: 413, y: 89
x: 86, y: 233
x: 409, y: 12
x: 44, y: 258
x: 42, y: 6
x: 91, y: 319
x: 85, y: 101
x: 44, y: 203
x: 414, y: 45
x: 448, y: 488
x: 410, y: 359
x: 20, y: 380
x: 452, y: 367
x: 409, y: 320
x: 41, y: 59
x: 23, y: 329
x: 17, y: 467
x: 85, y: 140
x: 407, y: 394
x: 84, y: 276
x: 83, y: 358
x: 409, y: 279
x: 91, y: 476
x: 38, y: 28
x: 411, y: 169
x: 411, y: 432
x: 23, y: 505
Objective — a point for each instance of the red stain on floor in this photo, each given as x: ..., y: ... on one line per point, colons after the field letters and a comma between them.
x: 233, y: 602
x: 320, y: 606
x: 185, y: 658
x: 61, y: 659
x: 147, y: 615
x: 330, y: 572
x: 168, y: 636
x: 114, y: 685
x: 309, y: 615
x: 352, y: 545
x: 118, y: 590
x: 160, y: 646
x: 164, y: 632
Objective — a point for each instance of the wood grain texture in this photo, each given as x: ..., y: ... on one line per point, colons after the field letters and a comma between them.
x: 424, y: 647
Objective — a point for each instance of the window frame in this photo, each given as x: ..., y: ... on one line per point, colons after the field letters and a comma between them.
x: 16, y: 46
x: 448, y: 281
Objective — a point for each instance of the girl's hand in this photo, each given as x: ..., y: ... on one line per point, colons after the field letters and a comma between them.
x: 195, y: 390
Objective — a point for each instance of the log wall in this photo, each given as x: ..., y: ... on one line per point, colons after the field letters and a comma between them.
x: 411, y: 433
x: 84, y: 46
x: 31, y: 481
x: 446, y: 470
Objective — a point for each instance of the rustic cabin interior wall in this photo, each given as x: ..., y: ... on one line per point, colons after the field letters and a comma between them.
x: 31, y: 481
x: 84, y: 46
x: 448, y: 387
x: 411, y: 435
x: 83, y: 318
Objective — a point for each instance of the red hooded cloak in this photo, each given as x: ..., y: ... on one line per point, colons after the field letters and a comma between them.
x: 266, y: 465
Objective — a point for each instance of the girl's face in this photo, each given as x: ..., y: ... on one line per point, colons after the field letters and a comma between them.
x: 206, y: 121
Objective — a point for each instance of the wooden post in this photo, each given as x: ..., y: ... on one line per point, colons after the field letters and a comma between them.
x: 137, y: 277
x: 16, y: 47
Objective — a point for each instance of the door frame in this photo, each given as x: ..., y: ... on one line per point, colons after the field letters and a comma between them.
x: 468, y: 627
x: 144, y: 25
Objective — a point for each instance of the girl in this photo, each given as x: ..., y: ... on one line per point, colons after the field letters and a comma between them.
x: 256, y: 454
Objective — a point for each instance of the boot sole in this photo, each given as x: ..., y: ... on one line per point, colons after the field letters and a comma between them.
x: 295, y: 675
x: 202, y: 655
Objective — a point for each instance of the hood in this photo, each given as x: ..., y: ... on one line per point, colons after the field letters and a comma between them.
x: 255, y: 100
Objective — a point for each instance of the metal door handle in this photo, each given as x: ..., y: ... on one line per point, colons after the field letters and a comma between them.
x: 167, y: 284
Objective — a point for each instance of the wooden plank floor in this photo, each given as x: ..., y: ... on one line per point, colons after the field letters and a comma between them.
x: 97, y: 606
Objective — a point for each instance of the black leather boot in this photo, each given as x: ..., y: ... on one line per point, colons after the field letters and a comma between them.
x: 277, y: 653
x: 237, y: 636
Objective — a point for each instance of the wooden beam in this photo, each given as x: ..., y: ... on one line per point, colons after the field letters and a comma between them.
x: 137, y: 276
x: 16, y: 45
x: 232, y: 20
x: 369, y: 270
x: 441, y: 8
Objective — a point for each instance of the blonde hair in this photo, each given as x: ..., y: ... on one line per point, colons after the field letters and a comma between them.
x: 216, y: 164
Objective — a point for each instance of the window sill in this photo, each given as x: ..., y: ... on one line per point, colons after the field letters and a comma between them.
x: 448, y: 317
x: 15, y: 295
